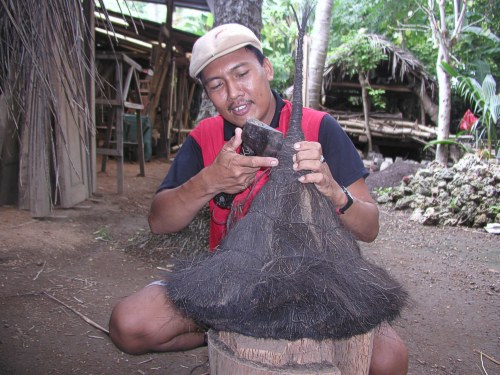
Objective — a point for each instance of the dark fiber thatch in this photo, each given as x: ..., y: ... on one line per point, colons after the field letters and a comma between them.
x: 288, y: 269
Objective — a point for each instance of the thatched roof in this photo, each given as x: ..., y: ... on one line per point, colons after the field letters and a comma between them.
x: 406, y: 84
x: 400, y: 70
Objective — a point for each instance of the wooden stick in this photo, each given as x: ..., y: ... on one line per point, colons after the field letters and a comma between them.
x: 39, y: 272
x: 496, y: 361
x: 89, y: 321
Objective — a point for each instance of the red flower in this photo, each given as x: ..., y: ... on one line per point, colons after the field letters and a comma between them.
x: 468, y: 121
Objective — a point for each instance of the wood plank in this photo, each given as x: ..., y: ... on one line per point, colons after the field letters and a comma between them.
x: 133, y: 105
x: 108, y: 151
x: 9, y: 156
x: 140, y: 144
x: 108, y: 102
x: 71, y: 149
x: 184, y: 131
x: 128, y: 80
x: 353, y: 85
x: 120, y: 57
x: 40, y: 203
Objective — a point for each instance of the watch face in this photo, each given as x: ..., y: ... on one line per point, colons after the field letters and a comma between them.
x: 224, y: 200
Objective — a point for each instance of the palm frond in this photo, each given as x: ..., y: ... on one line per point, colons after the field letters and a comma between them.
x: 44, y: 67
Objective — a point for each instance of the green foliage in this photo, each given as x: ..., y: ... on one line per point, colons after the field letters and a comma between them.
x: 449, y: 142
x: 102, y: 234
x: 283, y: 66
x: 138, y: 9
x: 192, y: 21
x: 383, y: 190
x: 486, y: 104
x: 495, y: 209
x: 279, y: 34
x: 358, y: 53
x: 355, y: 100
x: 486, y: 47
x: 407, y: 26
x: 377, y: 98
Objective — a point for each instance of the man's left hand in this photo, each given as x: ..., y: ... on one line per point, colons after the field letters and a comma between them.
x: 309, y: 157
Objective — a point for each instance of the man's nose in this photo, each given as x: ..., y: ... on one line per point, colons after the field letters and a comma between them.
x: 234, y: 90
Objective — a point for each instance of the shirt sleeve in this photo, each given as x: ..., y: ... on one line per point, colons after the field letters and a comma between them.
x: 187, y: 163
x: 340, y: 154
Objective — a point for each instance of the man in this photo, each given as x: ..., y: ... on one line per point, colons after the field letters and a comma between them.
x: 229, y: 63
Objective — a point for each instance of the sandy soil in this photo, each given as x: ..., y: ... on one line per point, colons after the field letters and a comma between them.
x: 78, y: 256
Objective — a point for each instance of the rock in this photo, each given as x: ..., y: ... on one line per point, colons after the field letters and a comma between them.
x: 480, y: 221
x: 404, y: 202
x: 386, y: 163
x: 417, y: 215
x: 466, y: 193
x: 430, y: 217
x: 384, y: 198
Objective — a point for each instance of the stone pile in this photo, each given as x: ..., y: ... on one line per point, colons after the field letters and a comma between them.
x: 465, y: 194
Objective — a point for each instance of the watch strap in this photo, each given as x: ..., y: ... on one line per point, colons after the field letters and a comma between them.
x: 350, y: 201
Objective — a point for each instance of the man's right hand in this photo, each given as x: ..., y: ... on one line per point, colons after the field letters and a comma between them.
x: 173, y: 209
x: 231, y: 172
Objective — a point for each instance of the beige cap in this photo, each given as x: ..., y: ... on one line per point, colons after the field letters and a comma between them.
x: 218, y: 42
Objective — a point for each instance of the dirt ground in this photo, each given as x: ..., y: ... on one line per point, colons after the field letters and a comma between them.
x: 78, y: 257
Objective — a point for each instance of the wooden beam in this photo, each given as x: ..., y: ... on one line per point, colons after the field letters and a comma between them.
x: 357, y: 86
x: 133, y: 106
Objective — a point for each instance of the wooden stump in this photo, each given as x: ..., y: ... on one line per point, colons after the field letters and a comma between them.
x: 231, y: 353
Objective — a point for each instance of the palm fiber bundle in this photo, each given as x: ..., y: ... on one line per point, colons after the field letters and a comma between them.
x: 288, y: 269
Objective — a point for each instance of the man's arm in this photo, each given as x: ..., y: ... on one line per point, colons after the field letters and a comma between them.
x: 362, y: 218
x: 173, y: 209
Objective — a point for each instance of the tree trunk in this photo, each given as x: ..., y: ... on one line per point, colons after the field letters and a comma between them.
x: 443, y: 129
x: 446, y: 40
x: 247, y: 13
x: 317, y: 54
x: 431, y: 109
x: 363, y: 80
x: 231, y: 353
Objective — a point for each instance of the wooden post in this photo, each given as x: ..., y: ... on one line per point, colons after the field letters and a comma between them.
x: 123, y: 98
x: 90, y: 136
x: 231, y: 353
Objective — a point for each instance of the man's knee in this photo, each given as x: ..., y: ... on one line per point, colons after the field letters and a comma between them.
x: 389, y: 355
x: 126, y: 329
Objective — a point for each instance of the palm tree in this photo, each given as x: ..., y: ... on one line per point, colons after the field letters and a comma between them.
x: 317, y: 54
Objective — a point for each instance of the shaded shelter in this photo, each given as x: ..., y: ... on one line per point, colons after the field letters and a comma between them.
x: 48, y: 135
x: 409, y: 92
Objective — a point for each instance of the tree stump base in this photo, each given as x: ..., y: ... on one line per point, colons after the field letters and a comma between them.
x: 231, y: 353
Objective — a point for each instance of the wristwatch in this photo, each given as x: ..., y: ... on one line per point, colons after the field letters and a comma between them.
x: 342, y: 210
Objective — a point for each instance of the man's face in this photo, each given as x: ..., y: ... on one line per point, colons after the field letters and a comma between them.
x: 238, y: 86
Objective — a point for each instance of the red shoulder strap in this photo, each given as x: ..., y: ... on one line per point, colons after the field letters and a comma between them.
x: 311, y: 121
x: 209, y: 134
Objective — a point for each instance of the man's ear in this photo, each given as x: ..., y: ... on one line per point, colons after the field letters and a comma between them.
x: 268, y: 66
